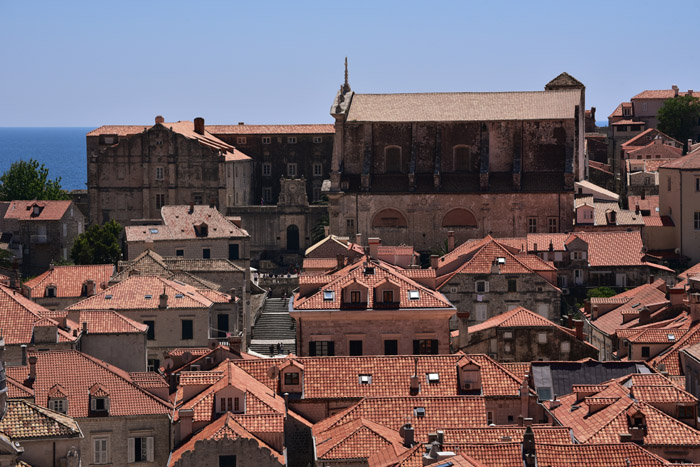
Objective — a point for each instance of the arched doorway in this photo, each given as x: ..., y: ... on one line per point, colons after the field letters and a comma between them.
x: 292, y: 238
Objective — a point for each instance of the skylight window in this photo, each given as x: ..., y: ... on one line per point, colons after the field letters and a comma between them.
x: 636, y: 305
x: 179, y: 295
x: 108, y: 297
x: 365, y: 379
x: 153, y: 231
x: 148, y: 297
x: 501, y: 260
x: 433, y: 377
x: 413, y: 294
x: 328, y: 295
x: 671, y: 337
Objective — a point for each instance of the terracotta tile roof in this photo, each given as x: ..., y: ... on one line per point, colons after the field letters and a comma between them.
x: 618, y: 110
x: 68, y: 280
x: 688, y: 162
x: 662, y: 394
x: 195, y: 281
x: 597, y: 455
x: 201, y: 265
x: 148, y: 379
x: 517, y: 369
x: 670, y: 358
x: 419, y: 273
x: 464, y: 106
x: 49, y: 210
x: 19, y: 316
x: 236, y: 155
x: 542, y: 241
x: 393, y: 412
x: 105, y: 322
x: 133, y: 294
x: 320, y: 263
x: 271, y: 129
x: 16, y: 390
x: 225, y: 427
x: 382, y: 272
x: 25, y: 421
x: 496, y: 434
x: 78, y: 373
x: 338, y: 377
x: 357, y: 439
x: 662, y: 94
x: 628, y: 122
x: 515, y: 318
x: 390, y: 250
x: 613, y: 248
x: 119, y: 130
x: 179, y: 224
x: 658, y: 221
x: 690, y: 272
x: 656, y: 336
x: 605, y: 424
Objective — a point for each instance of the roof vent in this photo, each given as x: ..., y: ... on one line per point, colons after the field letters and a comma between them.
x: 419, y: 412
x: 365, y: 379
x: 433, y: 377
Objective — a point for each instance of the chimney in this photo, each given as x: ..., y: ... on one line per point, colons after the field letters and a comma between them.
x: 644, y: 316
x: 450, y: 240
x: 358, y: 239
x: 326, y: 230
x: 529, y: 454
x: 440, y: 437
x: 431, y: 456
x: 163, y: 300
x: 24, y: 354
x: 594, y: 311
x: 636, y: 209
x: 32, y: 368
x: 495, y: 267
x: 434, y: 261
x: 160, y: 119
x: 527, y: 421
x: 644, y: 194
x: 625, y: 438
x: 199, y: 125
x: 587, y: 306
x: 186, y: 417
x: 340, y: 261
x: 191, y: 209
x: 651, y: 278
x: 241, y: 123
x: 90, y: 287
x: 675, y: 90
x: 693, y: 305
x: 374, y: 244
x: 85, y: 327
x: 612, y: 217
x: 234, y: 343
x: 408, y: 434
x: 690, y: 92
x: 578, y: 325
x: 415, y: 379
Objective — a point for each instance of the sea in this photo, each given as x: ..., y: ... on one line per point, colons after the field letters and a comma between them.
x: 62, y: 150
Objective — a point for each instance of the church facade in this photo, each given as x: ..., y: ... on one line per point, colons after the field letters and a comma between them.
x: 408, y: 168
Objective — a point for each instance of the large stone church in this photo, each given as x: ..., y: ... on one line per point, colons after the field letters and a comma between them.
x: 408, y: 168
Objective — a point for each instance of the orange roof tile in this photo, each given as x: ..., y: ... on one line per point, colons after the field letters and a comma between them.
x: 48, y: 210
x: 78, y: 373
x: 597, y: 455
x: 357, y: 439
x: 27, y: 421
x: 271, y: 129
x: 496, y: 434
x: 517, y: 317
x: 670, y: 358
x: 661, y: 94
x: 688, y: 162
x: 69, y: 280
x: 613, y: 248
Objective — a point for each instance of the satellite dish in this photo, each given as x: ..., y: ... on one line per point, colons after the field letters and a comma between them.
x: 273, y: 371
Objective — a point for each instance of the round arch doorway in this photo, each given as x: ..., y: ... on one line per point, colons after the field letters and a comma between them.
x: 292, y: 238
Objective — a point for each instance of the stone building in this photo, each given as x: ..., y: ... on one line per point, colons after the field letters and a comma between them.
x: 281, y: 151
x: 62, y: 286
x: 333, y: 313
x: 134, y: 170
x: 521, y: 335
x: 41, y: 231
x: 409, y: 167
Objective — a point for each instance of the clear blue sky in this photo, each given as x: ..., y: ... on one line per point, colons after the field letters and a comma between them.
x: 69, y: 63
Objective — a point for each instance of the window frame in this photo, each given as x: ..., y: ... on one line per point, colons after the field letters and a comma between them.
x: 291, y: 140
x: 103, y: 452
x: 187, y: 330
x: 266, y: 169
x: 291, y: 379
x: 160, y: 200
x: 532, y: 224
x: 266, y: 140
x: 160, y: 173
x: 318, y: 169
x: 292, y: 169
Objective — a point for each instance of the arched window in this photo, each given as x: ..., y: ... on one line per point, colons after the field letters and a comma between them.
x: 463, y: 159
x: 459, y: 217
x: 392, y: 156
x: 389, y: 218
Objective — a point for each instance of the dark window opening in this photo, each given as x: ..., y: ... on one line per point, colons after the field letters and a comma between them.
x: 355, y: 348
x: 391, y: 347
x: 425, y: 347
x: 187, y: 329
x: 151, y: 333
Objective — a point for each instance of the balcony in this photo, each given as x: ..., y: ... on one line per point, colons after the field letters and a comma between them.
x: 38, y: 239
x: 353, y: 306
x: 386, y: 305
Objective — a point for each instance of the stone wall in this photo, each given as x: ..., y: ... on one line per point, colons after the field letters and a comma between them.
x: 247, y: 451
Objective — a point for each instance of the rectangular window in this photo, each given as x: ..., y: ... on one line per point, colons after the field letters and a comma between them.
x: 160, y: 200
x: 227, y: 461
x: 241, y: 140
x: 233, y: 251
x: 180, y: 252
x: 59, y: 405
x: 512, y: 285
x: 318, y: 139
x: 187, y: 329
x: 481, y: 286
x: 696, y: 220
x: 321, y: 349
x: 561, y: 281
x: 391, y: 347
x: 388, y: 296
x: 152, y: 364
x: 318, y: 170
x: 552, y: 225
x: 425, y: 347
x: 541, y: 337
x: 291, y: 379
x: 531, y: 225
x: 267, y: 194
x: 685, y: 411
x: 236, y: 404
x: 151, y: 333
x: 65, y: 230
x: 160, y: 173
x: 100, y: 450
x: 355, y: 348
x: 266, y: 140
x: 198, y: 199
x: 355, y: 296
x: 292, y: 169
x: 350, y: 227
x: 565, y: 347
x: 645, y: 352
x: 206, y: 253
x: 480, y: 311
x: 316, y: 193
x: 266, y: 169
x: 292, y: 140
x: 141, y: 449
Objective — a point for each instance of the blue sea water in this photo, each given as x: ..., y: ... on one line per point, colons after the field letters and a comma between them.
x: 61, y: 150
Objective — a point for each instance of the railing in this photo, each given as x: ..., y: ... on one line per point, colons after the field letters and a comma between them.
x: 386, y: 305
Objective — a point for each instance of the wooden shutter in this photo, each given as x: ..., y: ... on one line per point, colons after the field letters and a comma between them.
x: 149, y: 448
x: 331, y: 348
x: 131, y: 456
x: 312, y: 349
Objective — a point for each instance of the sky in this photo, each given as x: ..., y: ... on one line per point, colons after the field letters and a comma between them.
x: 74, y: 63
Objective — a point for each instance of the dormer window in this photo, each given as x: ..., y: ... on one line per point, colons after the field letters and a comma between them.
x: 230, y: 399
x: 59, y: 405
x: 291, y: 379
x: 36, y: 210
x: 201, y: 230
x: 388, y: 296
x: 50, y: 291
x: 365, y: 379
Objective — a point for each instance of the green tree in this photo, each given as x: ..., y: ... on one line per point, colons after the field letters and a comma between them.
x: 318, y: 231
x: 679, y: 116
x: 601, y: 292
x: 98, y: 244
x: 30, y: 180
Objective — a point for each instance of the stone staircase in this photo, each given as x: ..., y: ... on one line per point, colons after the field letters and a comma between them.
x: 274, y: 325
